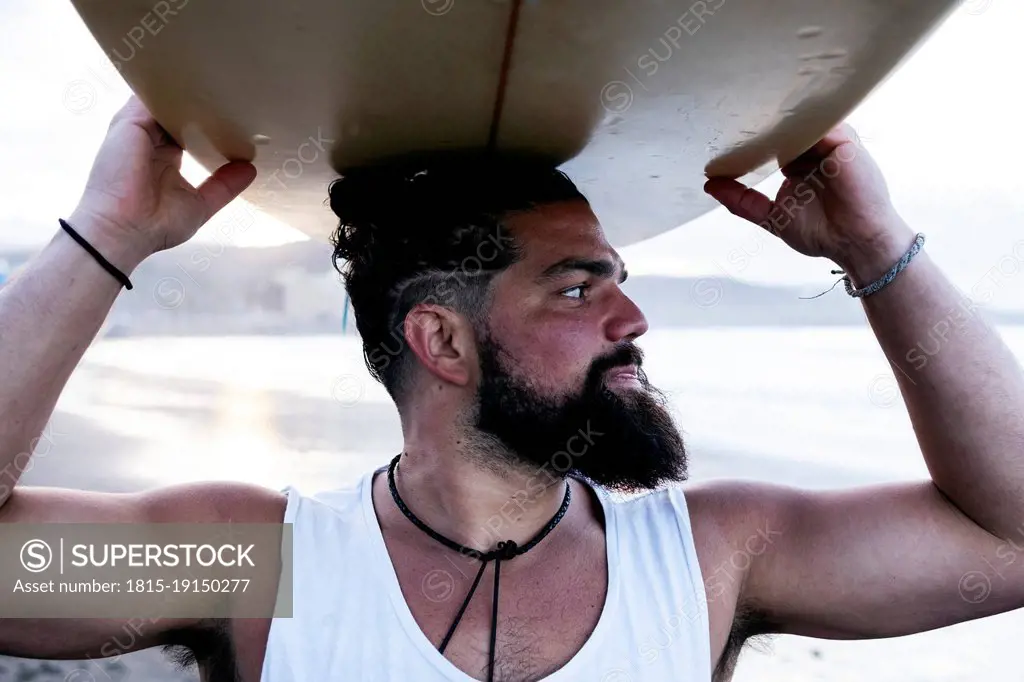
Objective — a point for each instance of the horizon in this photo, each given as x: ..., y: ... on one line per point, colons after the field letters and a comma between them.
x: 939, y: 127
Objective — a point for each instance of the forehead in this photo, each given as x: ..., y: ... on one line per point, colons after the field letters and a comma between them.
x: 552, y: 232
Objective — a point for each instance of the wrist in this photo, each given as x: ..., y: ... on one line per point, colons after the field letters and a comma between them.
x: 868, y: 261
x: 125, y: 251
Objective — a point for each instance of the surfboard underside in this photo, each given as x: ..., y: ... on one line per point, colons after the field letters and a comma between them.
x: 637, y: 101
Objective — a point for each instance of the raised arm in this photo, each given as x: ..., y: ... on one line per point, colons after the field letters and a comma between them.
x: 902, y: 558
x: 135, y: 203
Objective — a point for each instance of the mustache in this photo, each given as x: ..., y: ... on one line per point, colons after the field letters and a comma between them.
x: 625, y: 354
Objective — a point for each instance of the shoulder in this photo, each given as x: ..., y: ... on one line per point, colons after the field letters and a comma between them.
x: 229, y: 501
x: 720, y: 512
x: 726, y: 513
x: 736, y: 526
x: 215, y: 502
x: 731, y: 522
x: 732, y: 527
x: 198, y: 502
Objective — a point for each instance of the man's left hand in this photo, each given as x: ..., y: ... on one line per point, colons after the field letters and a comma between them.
x: 834, y: 203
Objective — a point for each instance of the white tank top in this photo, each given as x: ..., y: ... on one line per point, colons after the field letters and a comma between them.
x: 351, y: 622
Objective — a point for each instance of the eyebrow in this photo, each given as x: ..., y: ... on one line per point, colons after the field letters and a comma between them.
x: 600, y: 267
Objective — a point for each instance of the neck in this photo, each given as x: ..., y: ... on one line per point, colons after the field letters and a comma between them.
x: 475, y: 505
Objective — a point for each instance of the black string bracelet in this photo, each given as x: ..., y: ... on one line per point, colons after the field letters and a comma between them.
x: 118, y: 275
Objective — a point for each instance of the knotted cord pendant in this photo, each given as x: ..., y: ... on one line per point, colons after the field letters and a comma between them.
x: 506, y: 550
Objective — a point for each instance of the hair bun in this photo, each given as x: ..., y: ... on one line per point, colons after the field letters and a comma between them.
x: 394, y: 209
x: 363, y: 202
x: 404, y: 214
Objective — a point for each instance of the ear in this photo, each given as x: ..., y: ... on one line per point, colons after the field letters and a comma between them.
x: 444, y: 342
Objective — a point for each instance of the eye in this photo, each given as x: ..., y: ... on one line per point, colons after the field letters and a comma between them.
x: 579, y: 287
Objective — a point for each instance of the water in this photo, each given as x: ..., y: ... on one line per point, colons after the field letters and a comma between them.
x: 814, y: 407
x: 814, y: 396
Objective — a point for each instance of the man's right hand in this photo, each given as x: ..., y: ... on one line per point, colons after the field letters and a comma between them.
x: 136, y: 192
x: 135, y: 203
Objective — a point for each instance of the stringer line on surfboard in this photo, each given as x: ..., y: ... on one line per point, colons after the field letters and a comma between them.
x: 506, y: 65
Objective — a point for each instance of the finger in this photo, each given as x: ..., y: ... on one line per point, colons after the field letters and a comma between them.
x: 812, y: 159
x: 133, y: 108
x: 134, y: 112
x: 170, y: 154
x: 158, y: 137
x: 226, y: 183
x: 839, y: 135
x: 740, y: 200
x: 802, y: 166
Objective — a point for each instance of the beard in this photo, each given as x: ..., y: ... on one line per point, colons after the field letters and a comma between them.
x: 625, y: 442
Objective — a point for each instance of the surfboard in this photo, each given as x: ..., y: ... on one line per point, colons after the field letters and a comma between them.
x: 638, y: 101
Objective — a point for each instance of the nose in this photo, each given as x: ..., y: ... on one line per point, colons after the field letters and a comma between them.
x: 627, y: 321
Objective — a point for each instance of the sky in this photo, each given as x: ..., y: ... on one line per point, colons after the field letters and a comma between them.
x: 944, y: 129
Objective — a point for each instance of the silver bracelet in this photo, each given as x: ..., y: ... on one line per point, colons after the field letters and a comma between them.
x: 881, y: 282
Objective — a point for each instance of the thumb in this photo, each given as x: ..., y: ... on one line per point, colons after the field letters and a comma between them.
x: 740, y: 200
x: 226, y: 183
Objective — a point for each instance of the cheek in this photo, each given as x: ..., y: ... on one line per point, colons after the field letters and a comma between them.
x: 552, y: 355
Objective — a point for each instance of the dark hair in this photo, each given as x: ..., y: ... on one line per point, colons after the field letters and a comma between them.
x: 429, y: 231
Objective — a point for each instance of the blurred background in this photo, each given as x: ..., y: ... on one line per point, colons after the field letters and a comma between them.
x: 236, y: 357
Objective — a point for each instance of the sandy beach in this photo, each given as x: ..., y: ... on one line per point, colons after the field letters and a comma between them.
x: 206, y: 409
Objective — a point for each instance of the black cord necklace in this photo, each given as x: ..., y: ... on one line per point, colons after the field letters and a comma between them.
x: 507, y: 549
